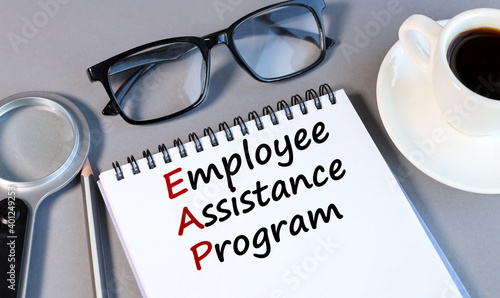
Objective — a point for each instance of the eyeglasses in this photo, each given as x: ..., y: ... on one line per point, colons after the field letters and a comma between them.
x: 163, y: 79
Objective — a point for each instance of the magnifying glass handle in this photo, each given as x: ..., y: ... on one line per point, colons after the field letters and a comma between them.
x: 14, y: 225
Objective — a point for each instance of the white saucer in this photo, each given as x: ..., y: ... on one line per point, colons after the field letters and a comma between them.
x: 416, y: 126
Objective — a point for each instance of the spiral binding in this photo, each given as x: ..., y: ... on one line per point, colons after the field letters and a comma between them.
x: 310, y: 94
x: 267, y: 110
x: 147, y: 155
x: 213, y: 138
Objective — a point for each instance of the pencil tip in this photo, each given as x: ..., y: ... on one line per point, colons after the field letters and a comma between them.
x: 86, y: 169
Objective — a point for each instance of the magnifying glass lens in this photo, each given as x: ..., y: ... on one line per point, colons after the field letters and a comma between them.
x: 35, y: 141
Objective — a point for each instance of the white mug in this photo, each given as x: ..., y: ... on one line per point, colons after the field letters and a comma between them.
x: 464, y: 109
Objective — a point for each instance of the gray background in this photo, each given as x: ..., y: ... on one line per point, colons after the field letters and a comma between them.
x: 72, y: 35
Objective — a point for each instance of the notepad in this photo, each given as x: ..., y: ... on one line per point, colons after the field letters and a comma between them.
x: 296, y: 201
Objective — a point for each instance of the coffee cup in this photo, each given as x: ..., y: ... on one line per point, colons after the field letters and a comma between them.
x: 461, y: 61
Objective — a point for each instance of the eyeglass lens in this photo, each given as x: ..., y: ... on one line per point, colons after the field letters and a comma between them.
x: 159, y: 81
x: 279, y: 42
x: 170, y: 78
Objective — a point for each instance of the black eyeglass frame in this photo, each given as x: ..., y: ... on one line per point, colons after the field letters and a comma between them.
x: 100, y: 71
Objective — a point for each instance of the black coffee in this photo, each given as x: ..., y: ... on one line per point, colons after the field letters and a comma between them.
x: 474, y: 57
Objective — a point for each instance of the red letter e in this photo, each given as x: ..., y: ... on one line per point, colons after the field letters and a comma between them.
x: 171, y: 184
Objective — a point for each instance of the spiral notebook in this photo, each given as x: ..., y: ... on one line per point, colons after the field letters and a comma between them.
x: 295, y: 202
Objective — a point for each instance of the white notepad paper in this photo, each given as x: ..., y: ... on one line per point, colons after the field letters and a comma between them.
x: 303, y: 207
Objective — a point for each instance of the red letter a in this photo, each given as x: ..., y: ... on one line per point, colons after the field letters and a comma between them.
x: 192, y: 220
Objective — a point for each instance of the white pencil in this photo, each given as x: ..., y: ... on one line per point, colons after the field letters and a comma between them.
x: 95, y: 246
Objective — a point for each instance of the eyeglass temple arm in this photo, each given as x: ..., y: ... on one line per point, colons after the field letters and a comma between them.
x: 328, y: 41
x: 147, y: 58
x: 152, y: 57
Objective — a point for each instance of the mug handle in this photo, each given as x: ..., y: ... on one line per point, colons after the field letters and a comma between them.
x: 413, y: 47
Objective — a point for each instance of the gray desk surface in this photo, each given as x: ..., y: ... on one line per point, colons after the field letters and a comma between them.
x: 67, y: 36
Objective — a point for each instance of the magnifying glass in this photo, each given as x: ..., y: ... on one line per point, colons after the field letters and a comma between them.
x: 44, y: 141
